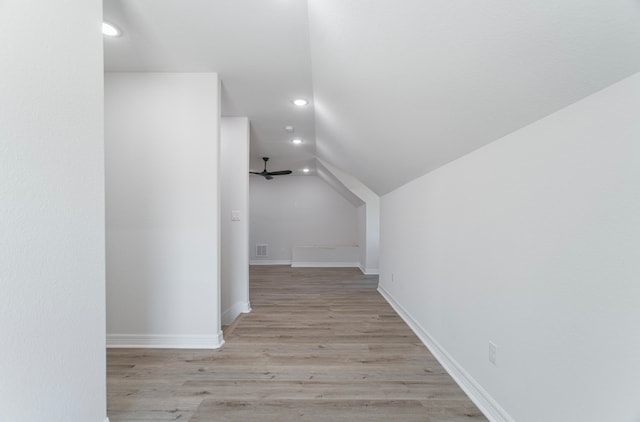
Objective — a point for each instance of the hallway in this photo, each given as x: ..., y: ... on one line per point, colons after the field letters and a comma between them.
x: 319, y: 345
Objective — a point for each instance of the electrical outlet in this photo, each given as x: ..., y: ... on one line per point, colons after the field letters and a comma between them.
x: 493, y: 351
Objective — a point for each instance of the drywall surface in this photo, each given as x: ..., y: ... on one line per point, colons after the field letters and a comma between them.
x: 325, y: 174
x: 532, y: 243
x: 234, y: 222
x: 369, y: 228
x: 325, y: 256
x: 372, y: 262
x: 298, y: 211
x: 464, y: 74
x: 52, y: 361
x: 162, y: 151
x: 362, y: 233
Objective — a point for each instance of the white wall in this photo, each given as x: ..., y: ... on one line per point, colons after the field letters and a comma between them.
x: 362, y: 233
x: 372, y: 213
x: 298, y: 211
x: 368, y: 217
x: 234, y: 254
x: 52, y: 361
x: 369, y: 236
x: 162, y: 145
x: 532, y: 242
x: 325, y: 256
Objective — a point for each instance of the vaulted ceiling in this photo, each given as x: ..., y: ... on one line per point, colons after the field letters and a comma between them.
x: 398, y: 87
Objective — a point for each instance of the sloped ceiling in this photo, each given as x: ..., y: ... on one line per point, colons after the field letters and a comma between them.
x: 403, y: 87
x: 337, y: 185
x: 399, y: 87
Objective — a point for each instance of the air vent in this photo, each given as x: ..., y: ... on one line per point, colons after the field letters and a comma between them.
x: 262, y: 251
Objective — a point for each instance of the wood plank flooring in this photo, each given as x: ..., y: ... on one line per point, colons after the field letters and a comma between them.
x: 319, y: 345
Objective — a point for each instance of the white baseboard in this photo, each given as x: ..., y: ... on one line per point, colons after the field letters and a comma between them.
x: 487, y: 405
x: 270, y: 262
x: 325, y: 264
x: 159, y: 341
x: 369, y: 271
x: 236, y: 309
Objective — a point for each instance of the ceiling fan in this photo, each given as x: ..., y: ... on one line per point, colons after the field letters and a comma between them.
x: 269, y: 174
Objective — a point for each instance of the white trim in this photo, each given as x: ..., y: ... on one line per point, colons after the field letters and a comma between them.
x: 487, y: 405
x: 163, y: 341
x: 368, y: 271
x: 325, y: 264
x: 236, y: 309
x: 106, y: 419
x: 270, y: 262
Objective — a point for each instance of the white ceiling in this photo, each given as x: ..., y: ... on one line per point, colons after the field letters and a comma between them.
x: 260, y: 49
x: 400, y: 87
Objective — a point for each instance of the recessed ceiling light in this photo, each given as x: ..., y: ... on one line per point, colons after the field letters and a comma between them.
x: 296, y: 141
x: 289, y: 129
x: 110, y: 30
x: 306, y: 170
x: 300, y: 102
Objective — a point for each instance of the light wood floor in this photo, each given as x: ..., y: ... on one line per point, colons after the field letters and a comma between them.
x: 319, y: 345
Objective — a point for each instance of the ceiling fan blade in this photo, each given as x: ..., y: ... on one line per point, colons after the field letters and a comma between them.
x: 269, y: 174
